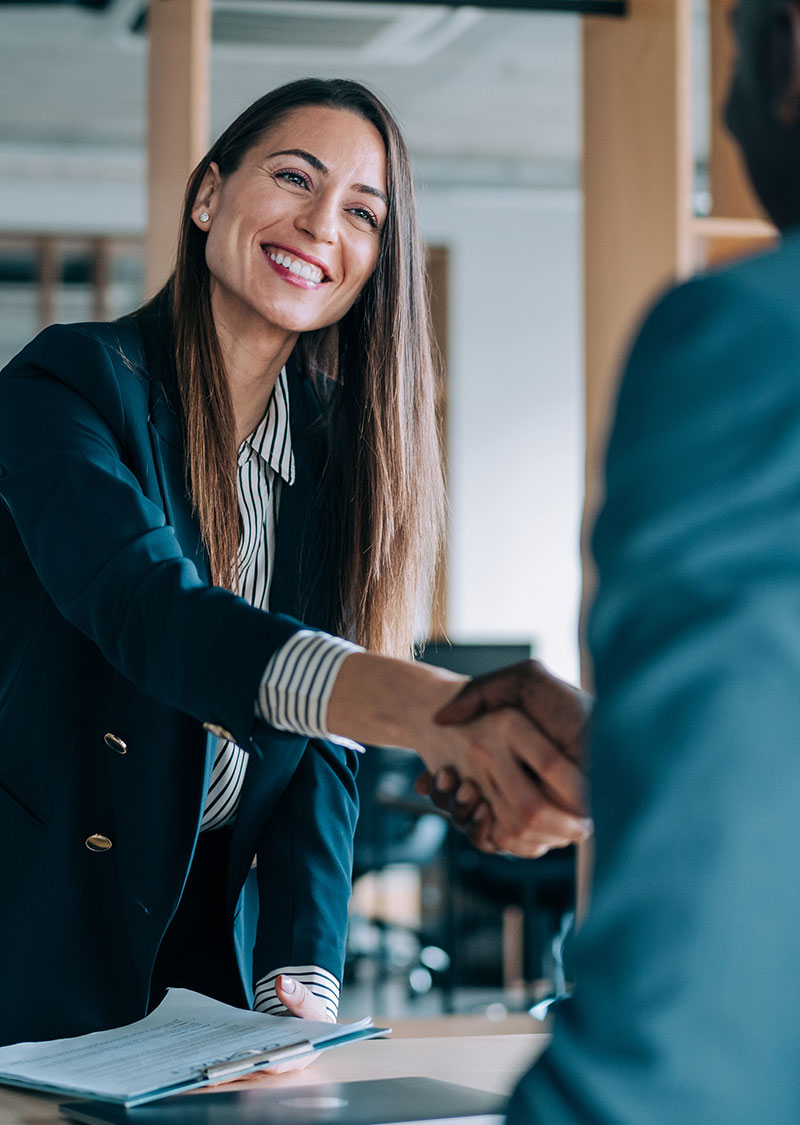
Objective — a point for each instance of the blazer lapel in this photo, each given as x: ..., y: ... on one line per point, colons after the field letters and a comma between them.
x: 167, y: 441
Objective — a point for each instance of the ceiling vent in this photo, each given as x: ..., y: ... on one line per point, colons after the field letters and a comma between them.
x: 325, y: 32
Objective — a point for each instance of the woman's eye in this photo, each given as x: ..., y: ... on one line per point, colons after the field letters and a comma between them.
x: 290, y: 176
x: 365, y: 214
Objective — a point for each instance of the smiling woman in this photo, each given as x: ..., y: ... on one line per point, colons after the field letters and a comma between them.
x: 233, y: 493
x: 306, y: 174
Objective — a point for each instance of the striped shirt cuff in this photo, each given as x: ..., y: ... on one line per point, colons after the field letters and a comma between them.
x: 298, y: 681
x: 319, y: 981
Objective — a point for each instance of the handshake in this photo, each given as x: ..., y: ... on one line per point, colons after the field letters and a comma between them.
x: 518, y: 784
x: 503, y: 752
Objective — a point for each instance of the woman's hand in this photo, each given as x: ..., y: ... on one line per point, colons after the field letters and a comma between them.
x: 463, y: 802
x: 535, y: 793
x: 299, y: 1001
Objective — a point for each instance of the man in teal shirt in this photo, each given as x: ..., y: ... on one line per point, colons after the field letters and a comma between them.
x: 686, y: 1008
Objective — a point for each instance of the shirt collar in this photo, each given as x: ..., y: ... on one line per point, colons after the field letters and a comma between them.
x: 271, y: 440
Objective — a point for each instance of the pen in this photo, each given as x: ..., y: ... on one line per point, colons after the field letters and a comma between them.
x: 251, y: 1060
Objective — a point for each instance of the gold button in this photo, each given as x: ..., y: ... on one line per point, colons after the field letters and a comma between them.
x: 220, y: 732
x: 98, y: 843
x: 114, y: 742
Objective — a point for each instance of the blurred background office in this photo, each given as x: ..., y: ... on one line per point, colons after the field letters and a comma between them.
x: 490, y: 99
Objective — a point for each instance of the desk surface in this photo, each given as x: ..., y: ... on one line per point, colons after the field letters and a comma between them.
x: 489, y: 1062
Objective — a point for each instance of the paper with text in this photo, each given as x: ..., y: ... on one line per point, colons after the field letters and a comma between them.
x: 167, y: 1051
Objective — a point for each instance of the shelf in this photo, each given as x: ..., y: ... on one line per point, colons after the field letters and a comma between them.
x: 719, y: 240
x: 730, y: 230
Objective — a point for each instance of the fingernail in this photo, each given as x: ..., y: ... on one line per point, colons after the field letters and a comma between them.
x: 289, y: 984
x: 480, y: 814
x: 463, y: 792
x: 443, y: 778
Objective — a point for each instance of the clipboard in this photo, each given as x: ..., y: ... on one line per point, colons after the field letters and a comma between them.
x: 189, y: 1041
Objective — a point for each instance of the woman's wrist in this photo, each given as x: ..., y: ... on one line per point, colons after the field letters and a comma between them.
x: 386, y: 702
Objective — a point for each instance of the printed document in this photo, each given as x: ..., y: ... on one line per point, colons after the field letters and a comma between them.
x: 188, y: 1041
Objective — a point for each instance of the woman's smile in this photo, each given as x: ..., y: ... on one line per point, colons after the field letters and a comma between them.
x: 295, y: 268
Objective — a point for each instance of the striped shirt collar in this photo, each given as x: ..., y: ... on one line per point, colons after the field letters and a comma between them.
x: 271, y: 440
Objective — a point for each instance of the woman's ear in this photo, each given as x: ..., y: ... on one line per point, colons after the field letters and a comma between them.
x: 203, y: 208
x: 785, y: 64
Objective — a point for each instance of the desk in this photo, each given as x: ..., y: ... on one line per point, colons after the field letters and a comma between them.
x: 489, y: 1062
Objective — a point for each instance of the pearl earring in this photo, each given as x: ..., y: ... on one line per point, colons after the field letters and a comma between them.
x: 204, y: 216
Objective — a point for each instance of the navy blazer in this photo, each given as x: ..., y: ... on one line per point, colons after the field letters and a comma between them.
x: 110, y: 626
x: 685, y: 1008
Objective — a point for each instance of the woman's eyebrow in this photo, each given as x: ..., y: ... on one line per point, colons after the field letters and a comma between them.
x: 371, y: 191
x: 316, y: 163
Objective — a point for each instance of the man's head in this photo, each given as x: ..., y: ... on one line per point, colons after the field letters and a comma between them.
x: 763, y: 111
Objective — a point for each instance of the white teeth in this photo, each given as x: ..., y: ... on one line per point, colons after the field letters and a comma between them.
x: 297, y: 267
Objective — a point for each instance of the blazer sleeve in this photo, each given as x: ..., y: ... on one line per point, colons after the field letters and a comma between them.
x: 305, y: 862
x: 73, y: 432
x: 681, y: 1009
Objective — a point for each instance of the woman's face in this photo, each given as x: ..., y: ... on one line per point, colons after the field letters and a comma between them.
x: 294, y: 232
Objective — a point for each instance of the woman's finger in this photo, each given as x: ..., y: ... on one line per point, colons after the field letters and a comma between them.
x: 301, y: 1001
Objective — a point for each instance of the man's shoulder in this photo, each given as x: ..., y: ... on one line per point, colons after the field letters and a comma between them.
x: 715, y: 359
x: 764, y: 281
x: 721, y: 315
x: 771, y: 274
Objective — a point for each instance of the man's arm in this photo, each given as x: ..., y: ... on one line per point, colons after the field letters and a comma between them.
x: 681, y: 1010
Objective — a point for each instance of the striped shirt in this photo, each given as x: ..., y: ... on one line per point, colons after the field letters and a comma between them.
x: 299, y: 678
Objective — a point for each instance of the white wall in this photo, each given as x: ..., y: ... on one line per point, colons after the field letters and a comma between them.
x: 515, y: 414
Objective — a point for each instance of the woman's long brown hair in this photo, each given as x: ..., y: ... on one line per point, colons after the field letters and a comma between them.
x: 384, y: 483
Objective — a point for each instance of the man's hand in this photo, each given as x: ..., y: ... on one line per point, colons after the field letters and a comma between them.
x: 558, y: 709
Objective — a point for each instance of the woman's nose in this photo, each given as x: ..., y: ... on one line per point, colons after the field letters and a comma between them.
x: 320, y: 219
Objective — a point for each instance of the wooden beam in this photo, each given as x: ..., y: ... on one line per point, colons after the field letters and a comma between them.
x: 637, y: 181
x: 179, y: 38
x: 638, y: 170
